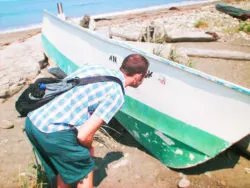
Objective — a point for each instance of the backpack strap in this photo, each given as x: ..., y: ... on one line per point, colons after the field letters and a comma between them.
x: 95, y: 79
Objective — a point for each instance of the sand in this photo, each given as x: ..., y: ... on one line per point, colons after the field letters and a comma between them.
x: 7, y: 39
x: 121, y: 161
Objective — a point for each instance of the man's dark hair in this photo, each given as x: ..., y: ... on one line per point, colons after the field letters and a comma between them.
x: 134, y: 64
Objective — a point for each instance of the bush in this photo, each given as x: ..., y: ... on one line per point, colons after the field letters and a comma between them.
x: 245, y: 26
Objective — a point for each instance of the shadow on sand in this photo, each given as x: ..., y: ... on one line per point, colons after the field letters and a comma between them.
x: 227, y: 159
x: 102, y: 164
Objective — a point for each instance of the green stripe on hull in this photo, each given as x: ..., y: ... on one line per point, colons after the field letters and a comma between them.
x: 61, y: 60
x: 208, y: 143
x: 170, y: 152
x: 173, y: 142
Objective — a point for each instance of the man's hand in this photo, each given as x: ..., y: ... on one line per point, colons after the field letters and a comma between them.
x: 87, y: 130
x: 92, y: 151
x: 87, y: 142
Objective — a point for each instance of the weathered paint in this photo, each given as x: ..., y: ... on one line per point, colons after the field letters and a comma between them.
x: 180, y: 129
x: 164, y: 138
x: 174, y: 128
x: 157, y: 146
x: 178, y: 151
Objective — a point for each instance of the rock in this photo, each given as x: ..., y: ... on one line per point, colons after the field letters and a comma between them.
x: 5, y: 124
x: 173, y: 8
x: 88, y: 22
x: 14, y: 89
x: 184, y: 183
x: 19, y: 62
x: 84, y: 22
x: 43, y: 63
x: 154, y: 32
x: 57, y: 72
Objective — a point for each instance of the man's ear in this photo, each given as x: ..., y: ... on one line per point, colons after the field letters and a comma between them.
x: 140, y: 76
x: 137, y: 76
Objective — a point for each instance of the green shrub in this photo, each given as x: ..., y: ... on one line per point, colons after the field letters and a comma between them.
x: 245, y: 26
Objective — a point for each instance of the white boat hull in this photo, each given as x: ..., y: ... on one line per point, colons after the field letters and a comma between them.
x: 182, y: 116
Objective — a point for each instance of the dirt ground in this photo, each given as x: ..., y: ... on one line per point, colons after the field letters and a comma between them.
x: 120, y: 160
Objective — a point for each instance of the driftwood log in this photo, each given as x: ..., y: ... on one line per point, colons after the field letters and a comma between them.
x: 181, y: 54
x: 194, y: 36
x: 221, y: 54
x: 124, y: 34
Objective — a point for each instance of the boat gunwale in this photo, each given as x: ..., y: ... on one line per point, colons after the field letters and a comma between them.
x: 195, y: 72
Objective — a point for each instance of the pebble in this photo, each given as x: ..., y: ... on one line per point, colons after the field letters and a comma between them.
x: 208, y: 174
x: 22, y: 174
x: 4, y: 142
x: 247, y: 170
x: 5, y: 124
x: 222, y: 182
x: 137, y: 177
x: 126, y: 155
x: 2, y: 100
x: 181, y: 174
x: 184, y: 183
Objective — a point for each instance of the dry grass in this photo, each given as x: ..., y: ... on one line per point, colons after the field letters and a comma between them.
x: 33, y: 177
x: 201, y: 24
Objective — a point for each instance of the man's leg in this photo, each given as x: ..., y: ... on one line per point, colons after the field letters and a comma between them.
x: 87, y: 182
x: 60, y: 183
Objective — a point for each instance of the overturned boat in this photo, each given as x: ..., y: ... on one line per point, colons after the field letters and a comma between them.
x: 233, y: 11
x: 182, y: 116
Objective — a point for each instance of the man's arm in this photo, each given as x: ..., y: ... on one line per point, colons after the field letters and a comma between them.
x: 87, y: 130
x: 105, y: 111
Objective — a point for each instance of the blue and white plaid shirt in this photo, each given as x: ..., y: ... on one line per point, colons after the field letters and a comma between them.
x: 74, y: 107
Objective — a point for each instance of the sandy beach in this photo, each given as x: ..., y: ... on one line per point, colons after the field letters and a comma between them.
x: 121, y: 161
